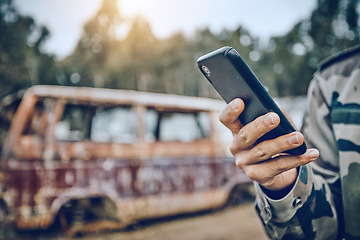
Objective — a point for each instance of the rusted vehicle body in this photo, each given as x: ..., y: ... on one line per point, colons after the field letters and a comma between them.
x: 83, y: 154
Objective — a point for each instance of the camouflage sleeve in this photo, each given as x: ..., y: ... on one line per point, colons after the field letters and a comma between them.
x: 333, y: 126
x: 308, y: 211
x: 345, y: 117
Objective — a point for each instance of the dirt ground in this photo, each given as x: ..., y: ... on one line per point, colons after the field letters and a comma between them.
x: 240, y: 222
x: 237, y: 223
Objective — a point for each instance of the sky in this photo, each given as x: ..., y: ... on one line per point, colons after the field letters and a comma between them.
x: 263, y: 18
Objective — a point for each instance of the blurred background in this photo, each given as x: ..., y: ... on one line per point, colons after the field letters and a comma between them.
x: 153, y: 45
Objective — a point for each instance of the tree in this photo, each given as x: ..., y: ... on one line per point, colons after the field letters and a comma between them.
x: 89, y: 60
x: 21, y: 62
x: 294, y: 57
x: 140, y: 61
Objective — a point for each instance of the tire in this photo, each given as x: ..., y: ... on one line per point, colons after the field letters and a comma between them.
x: 239, y: 194
x: 82, y: 216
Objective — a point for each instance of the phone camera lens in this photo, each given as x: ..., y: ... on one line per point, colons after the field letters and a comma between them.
x: 206, y: 70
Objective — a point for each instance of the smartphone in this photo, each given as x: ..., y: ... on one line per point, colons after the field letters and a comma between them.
x: 232, y: 78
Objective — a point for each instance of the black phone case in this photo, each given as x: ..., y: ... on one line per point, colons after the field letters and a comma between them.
x: 232, y: 78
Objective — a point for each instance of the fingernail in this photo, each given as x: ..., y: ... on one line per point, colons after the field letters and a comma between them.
x: 234, y: 104
x: 313, y: 153
x: 269, y: 120
x: 294, y: 139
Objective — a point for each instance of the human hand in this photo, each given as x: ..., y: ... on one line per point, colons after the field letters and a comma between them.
x: 264, y: 162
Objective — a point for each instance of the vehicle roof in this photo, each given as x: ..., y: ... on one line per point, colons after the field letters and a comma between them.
x: 115, y: 96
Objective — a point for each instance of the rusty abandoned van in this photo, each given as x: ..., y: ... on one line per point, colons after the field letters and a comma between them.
x: 80, y: 155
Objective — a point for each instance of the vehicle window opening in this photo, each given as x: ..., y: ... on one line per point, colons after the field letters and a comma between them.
x: 98, y: 124
x: 171, y: 126
x: 39, y: 118
x: 75, y: 123
x: 115, y: 124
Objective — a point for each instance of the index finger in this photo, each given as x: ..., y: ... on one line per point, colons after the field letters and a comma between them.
x: 229, y: 116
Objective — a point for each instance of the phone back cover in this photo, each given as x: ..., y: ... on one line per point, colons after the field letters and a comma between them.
x: 225, y: 66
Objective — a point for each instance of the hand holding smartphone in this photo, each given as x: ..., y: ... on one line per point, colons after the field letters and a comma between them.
x: 232, y: 78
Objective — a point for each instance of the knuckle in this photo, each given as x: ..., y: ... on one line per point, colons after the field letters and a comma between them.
x: 302, y: 160
x: 252, y: 174
x: 239, y: 161
x: 259, y: 125
x: 243, y: 137
x: 260, y: 152
x: 222, y: 117
x: 228, y: 115
x: 233, y: 149
x: 281, y: 165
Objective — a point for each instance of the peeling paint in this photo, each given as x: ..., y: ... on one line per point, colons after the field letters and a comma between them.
x: 48, y: 174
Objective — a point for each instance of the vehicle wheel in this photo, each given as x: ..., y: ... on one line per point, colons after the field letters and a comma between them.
x: 240, y: 194
x: 235, y: 197
x: 3, y: 217
x: 81, y: 217
x: 71, y: 219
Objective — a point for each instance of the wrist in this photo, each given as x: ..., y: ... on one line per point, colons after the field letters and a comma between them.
x: 277, y: 194
x: 280, y: 193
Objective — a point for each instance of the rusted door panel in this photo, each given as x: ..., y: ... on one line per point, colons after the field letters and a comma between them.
x: 29, y: 147
x: 167, y: 179
x: 162, y: 205
x: 88, y: 150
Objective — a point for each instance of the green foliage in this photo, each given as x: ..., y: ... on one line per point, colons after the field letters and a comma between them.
x: 140, y: 61
x: 294, y: 57
x: 21, y: 62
